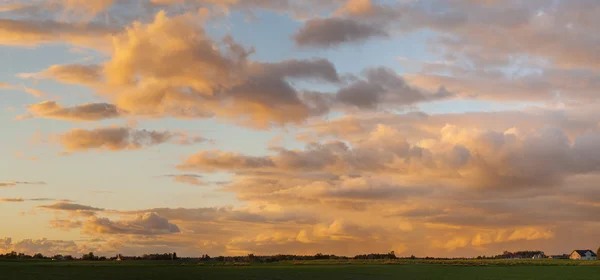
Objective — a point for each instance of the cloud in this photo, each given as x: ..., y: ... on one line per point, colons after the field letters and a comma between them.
x: 191, y: 179
x: 72, y: 74
x: 33, y: 92
x: 316, y: 68
x: 29, y: 199
x: 30, y: 33
x: 65, y: 225
x: 67, y: 206
x: 143, y: 224
x: 91, y: 7
x: 117, y: 138
x: 219, y: 160
x: 330, y: 32
x: 10, y: 184
x: 383, y: 86
x: 223, y: 82
x: 33, y: 246
x: 82, y: 112
x: 11, y: 200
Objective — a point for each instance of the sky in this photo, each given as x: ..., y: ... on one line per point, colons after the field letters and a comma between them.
x: 448, y: 128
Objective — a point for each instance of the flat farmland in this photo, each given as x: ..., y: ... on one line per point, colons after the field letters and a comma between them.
x: 464, y: 270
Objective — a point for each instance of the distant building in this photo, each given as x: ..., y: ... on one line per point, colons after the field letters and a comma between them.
x: 583, y: 255
x: 539, y: 256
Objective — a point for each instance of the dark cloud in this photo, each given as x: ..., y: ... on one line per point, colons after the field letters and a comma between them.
x: 328, y: 32
x: 383, y: 87
x: 317, y: 68
x: 67, y: 206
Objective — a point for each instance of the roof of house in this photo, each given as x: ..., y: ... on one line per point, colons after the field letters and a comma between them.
x: 582, y: 252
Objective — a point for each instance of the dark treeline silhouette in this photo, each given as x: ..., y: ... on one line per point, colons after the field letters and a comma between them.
x: 20, y: 256
x: 149, y: 257
x: 514, y: 255
x: 388, y: 256
x: 251, y: 257
x: 173, y: 256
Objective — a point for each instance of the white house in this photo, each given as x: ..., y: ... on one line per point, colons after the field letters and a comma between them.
x: 583, y: 255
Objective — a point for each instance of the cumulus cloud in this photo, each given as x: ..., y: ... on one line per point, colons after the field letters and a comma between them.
x: 82, y: 112
x: 144, y: 224
x: 328, y: 32
x: 222, y: 82
x: 33, y: 246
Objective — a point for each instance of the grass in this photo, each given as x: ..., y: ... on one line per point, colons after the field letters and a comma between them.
x: 400, y: 269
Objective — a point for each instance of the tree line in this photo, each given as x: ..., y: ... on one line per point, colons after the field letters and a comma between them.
x: 254, y: 258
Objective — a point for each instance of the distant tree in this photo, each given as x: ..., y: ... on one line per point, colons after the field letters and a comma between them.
x: 12, y: 255
x: 38, y: 256
x: 174, y: 255
x: 598, y: 251
x: 89, y: 257
x: 412, y: 257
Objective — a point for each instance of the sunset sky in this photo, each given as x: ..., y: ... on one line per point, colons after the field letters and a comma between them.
x: 227, y: 127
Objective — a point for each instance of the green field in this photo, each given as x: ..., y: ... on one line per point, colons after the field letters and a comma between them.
x: 464, y: 270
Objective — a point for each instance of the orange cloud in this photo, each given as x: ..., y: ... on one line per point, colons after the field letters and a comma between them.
x: 83, y: 112
x: 30, y: 33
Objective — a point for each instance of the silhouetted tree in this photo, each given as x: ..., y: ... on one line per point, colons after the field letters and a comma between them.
x: 89, y: 257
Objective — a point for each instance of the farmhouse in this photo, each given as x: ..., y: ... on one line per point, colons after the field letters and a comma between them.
x: 583, y: 255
